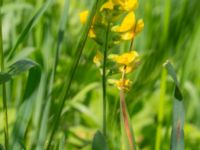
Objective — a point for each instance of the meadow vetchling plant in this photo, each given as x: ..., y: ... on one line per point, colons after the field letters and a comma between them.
x: 114, y: 23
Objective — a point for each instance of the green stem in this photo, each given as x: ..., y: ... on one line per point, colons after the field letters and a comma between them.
x: 104, y: 78
x: 3, y: 85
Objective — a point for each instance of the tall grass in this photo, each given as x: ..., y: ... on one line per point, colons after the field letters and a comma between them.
x: 5, y: 109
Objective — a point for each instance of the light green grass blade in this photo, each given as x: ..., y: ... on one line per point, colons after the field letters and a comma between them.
x: 177, y: 135
x: 29, y: 26
x: 158, y: 143
x: 62, y: 143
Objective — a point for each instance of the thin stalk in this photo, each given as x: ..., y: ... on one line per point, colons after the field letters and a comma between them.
x: 5, y: 112
x: 104, y: 78
x: 125, y: 116
x: 132, y: 40
x: 123, y: 107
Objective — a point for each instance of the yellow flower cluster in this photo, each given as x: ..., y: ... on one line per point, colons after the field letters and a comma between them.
x: 110, y: 13
x: 127, y: 63
x: 110, y: 10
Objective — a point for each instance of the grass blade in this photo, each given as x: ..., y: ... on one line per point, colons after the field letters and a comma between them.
x: 161, y: 110
x: 68, y: 83
x: 29, y: 26
x: 44, y: 122
x: 16, y: 69
x: 177, y: 135
x: 5, y: 111
x: 26, y: 108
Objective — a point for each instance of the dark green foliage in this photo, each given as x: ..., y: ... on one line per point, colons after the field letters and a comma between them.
x: 99, y: 142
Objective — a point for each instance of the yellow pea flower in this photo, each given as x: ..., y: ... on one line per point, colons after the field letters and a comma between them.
x: 83, y: 16
x: 92, y: 33
x: 126, y: 69
x: 127, y: 24
x: 107, y: 5
x: 130, y: 5
x: 123, y: 84
x: 128, y: 35
x: 139, y: 26
x: 126, y: 58
x: 98, y: 58
x: 127, y: 5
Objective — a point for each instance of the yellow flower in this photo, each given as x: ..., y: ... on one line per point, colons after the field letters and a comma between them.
x: 127, y: 5
x: 98, y: 58
x: 83, y: 19
x: 127, y: 24
x: 91, y: 33
x: 107, y: 5
x: 139, y: 26
x: 126, y: 58
x: 128, y: 35
x: 83, y: 16
x: 127, y: 69
x: 123, y: 84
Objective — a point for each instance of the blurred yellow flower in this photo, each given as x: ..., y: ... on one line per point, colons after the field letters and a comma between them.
x: 126, y: 69
x: 126, y: 58
x: 127, y: 24
x: 91, y: 33
x: 128, y: 35
x: 139, y: 26
x: 107, y: 5
x: 123, y: 84
x: 98, y: 58
x: 83, y: 16
x: 127, y: 5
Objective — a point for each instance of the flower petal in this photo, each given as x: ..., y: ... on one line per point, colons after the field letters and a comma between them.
x: 127, y: 24
x: 107, y: 5
x: 83, y: 16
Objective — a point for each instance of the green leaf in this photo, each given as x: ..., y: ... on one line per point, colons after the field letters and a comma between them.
x: 177, y: 134
x: 20, y: 67
x: 17, y: 68
x: 99, y: 142
x: 25, y: 109
x: 4, y: 77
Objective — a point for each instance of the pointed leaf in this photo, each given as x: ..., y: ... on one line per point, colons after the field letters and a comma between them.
x: 177, y: 135
x: 99, y: 142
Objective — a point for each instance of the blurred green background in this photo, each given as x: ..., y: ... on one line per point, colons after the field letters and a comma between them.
x: 172, y: 31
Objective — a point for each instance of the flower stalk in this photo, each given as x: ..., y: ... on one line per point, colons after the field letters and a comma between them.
x: 125, y: 116
x: 104, y: 78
